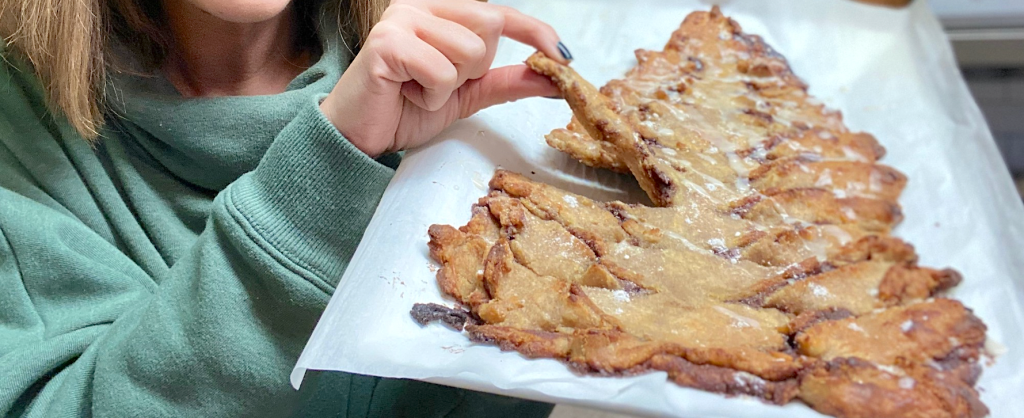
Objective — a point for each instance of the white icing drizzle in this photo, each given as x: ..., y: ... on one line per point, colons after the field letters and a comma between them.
x: 906, y: 382
x: 739, y: 321
x: 891, y: 369
x: 993, y: 348
x: 819, y: 290
x: 747, y: 380
x: 571, y: 201
x: 907, y: 325
x: 841, y: 236
x: 875, y: 181
x: 849, y: 213
x: 686, y: 243
x: 696, y: 132
x: 824, y: 179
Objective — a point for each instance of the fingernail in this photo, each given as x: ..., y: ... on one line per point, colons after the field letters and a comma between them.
x: 564, y: 51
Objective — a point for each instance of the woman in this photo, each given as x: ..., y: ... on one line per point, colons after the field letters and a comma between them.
x: 183, y: 182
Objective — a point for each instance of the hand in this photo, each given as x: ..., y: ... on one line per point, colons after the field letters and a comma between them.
x: 426, y: 64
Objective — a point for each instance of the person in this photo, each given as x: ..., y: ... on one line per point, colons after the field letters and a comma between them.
x: 182, y: 183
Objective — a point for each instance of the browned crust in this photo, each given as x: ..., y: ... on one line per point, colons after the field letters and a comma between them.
x: 425, y: 313
x: 531, y: 343
x: 604, y: 349
x: 573, y: 140
x: 916, y: 333
x: 597, y: 115
x: 831, y: 145
x: 851, y: 387
x: 856, y: 178
x: 846, y: 315
x: 820, y: 206
x: 613, y: 352
x: 461, y: 255
x: 808, y: 319
x: 724, y: 380
x: 902, y: 285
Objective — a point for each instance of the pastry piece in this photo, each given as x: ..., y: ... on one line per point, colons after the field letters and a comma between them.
x: 724, y: 380
x: 861, y: 288
x: 917, y: 333
x: 574, y: 141
x: 719, y: 114
x: 608, y: 289
x: 765, y: 268
x: 461, y: 253
x: 851, y: 387
x: 521, y: 298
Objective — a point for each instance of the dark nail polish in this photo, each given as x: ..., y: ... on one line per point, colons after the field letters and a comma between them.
x: 564, y: 51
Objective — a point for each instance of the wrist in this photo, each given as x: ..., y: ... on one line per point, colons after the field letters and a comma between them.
x: 327, y: 107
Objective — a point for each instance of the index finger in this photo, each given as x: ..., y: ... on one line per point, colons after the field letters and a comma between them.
x: 534, y: 32
x: 511, y: 23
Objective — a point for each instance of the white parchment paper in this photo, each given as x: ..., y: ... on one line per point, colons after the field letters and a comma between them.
x: 891, y: 73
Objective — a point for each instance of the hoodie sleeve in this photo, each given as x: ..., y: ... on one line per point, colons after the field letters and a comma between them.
x: 86, y: 330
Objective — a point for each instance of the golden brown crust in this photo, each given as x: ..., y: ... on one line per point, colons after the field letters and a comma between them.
x: 578, y: 280
x: 818, y: 206
x: 573, y: 140
x: 558, y: 284
x: 724, y: 380
x: 461, y: 254
x: 916, y: 333
x: 531, y: 343
x: 902, y: 285
x: 860, y: 288
x: 851, y: 387
x: 597, y: 116
x: 765, y: 269
x: 727, y: 106
x: 523, y: 299
x: 843, y: 178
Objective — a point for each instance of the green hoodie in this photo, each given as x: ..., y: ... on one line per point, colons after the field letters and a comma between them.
x: 177, y: 267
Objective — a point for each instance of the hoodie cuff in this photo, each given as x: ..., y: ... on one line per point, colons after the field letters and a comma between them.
x: 312, y: 195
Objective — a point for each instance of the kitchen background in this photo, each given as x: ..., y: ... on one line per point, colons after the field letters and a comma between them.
x: 988, y: 38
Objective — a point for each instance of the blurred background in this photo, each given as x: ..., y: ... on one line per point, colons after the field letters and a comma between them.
x: 988, y: 39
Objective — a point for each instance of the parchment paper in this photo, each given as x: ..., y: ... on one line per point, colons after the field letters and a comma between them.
x: 891, y: 73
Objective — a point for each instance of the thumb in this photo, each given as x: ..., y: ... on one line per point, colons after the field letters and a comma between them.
x: 503, y: 85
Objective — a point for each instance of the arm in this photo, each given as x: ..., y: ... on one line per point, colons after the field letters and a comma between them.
x: 84, y: 329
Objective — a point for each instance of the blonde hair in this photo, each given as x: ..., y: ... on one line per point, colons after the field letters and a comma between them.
x: 67, y: 43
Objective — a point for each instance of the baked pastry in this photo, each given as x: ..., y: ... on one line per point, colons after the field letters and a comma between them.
x: 764, y: 267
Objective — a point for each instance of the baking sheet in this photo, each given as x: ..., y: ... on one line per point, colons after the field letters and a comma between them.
x: 891, y: 73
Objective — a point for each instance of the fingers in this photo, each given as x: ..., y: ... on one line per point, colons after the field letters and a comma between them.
x: 463, y: 48
x: 484, y: 19
x: 533, y: 32
x: 433, y: 47
x: 503, y: 85
x: 455, y: 41
x: 434, y: 75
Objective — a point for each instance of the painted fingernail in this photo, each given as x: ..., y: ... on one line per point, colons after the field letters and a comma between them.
x: 564, y: 51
